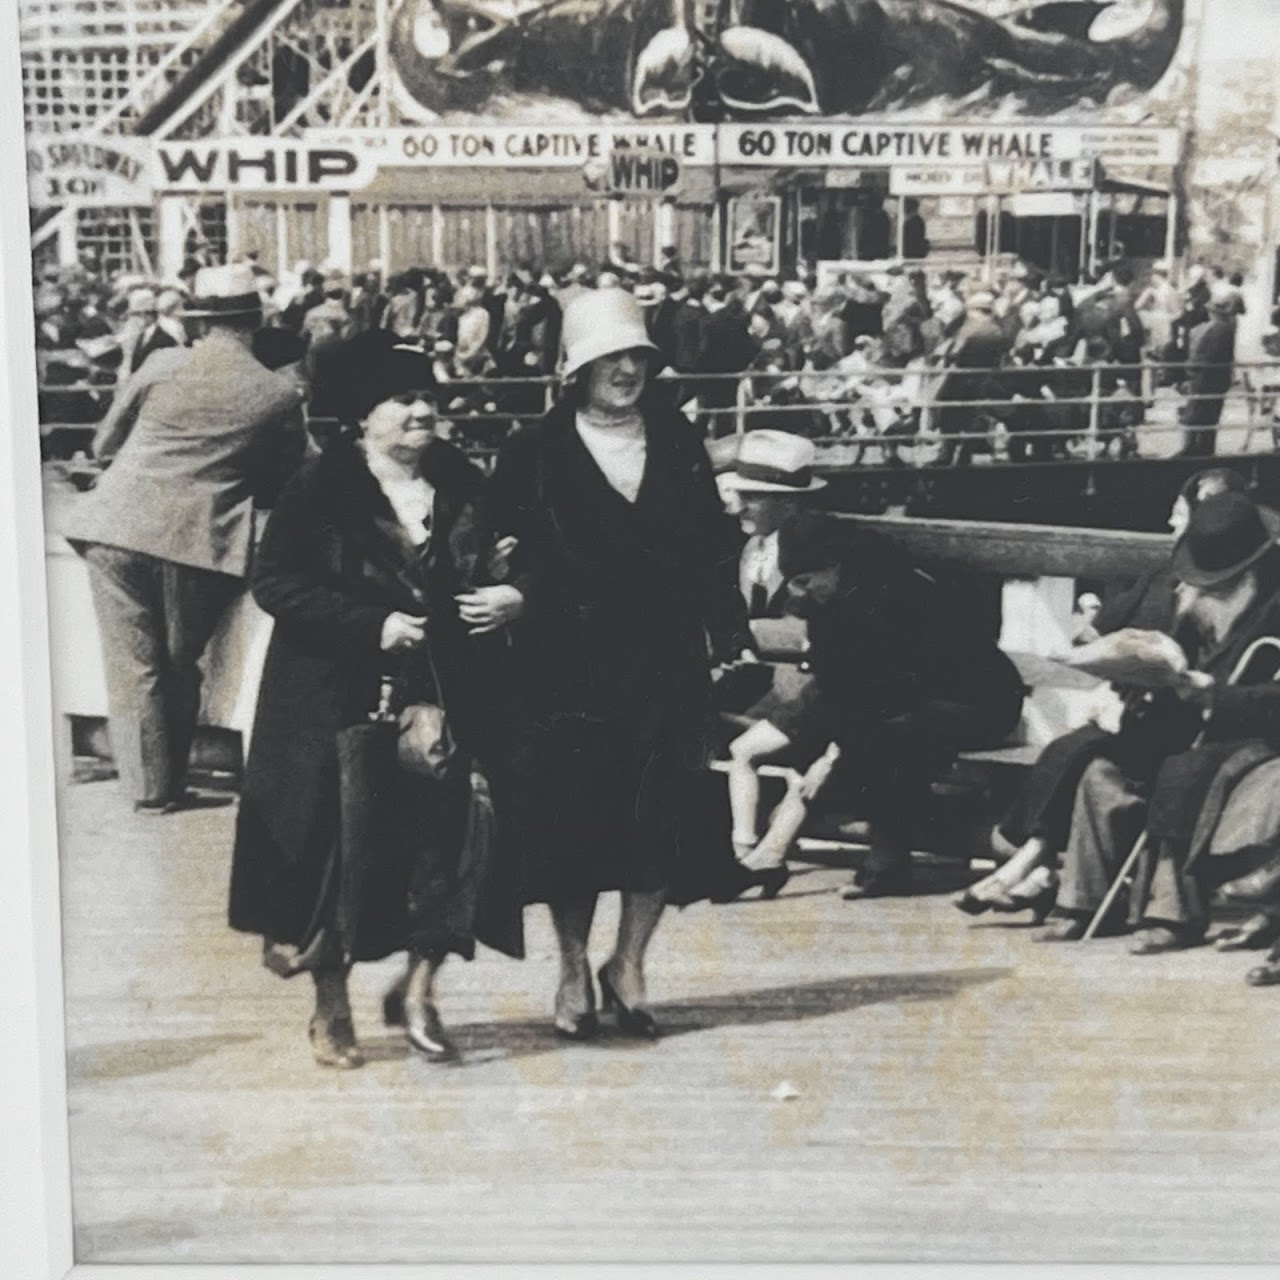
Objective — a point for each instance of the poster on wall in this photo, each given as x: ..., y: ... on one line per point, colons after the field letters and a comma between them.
x: 567, y: 59
x: 755, y: 232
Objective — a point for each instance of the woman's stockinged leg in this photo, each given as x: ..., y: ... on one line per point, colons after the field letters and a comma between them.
x: 637, y: 922
x: 789, y: 817
x: 332, y: 1032
x: 575, y: 996
x: 746, y: 752
x: 423, y: 1027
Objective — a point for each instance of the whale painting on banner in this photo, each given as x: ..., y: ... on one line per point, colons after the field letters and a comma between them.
x: 712, y: 60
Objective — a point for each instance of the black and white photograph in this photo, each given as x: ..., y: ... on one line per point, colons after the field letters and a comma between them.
x: 650, y: 632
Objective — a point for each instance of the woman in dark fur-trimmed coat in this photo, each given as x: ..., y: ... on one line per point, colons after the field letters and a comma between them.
x: 362, y: 561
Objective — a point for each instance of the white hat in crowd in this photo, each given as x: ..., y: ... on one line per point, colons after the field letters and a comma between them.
x: 221, y: 292
x: 602, y: 322
x: 773, y: 462
x: 142, y: 302
x: 1222, y: 297
x: 169, y: 301
x: 980, y: 301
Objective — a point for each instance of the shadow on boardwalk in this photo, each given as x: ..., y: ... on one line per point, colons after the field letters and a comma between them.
x: 487, y: 1041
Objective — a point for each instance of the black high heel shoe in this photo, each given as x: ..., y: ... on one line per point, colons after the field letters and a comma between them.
x: 972, y: 905
x: 1039, y: 901
x: 772, y: 880
x: 393, y: 1006
x: 578, y: 1029
x: 631, y: 1022
x: 769, y: 880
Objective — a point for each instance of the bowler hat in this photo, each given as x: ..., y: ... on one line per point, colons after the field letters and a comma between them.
x: 1226, y: 534
x: 372, y: 367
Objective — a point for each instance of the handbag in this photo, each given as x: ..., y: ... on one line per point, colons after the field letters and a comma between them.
x: 424, y: 743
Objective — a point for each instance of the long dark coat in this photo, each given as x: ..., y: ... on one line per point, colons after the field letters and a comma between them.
x: 1151, y: 723
x: 334, y: 563
x: 611, y: 655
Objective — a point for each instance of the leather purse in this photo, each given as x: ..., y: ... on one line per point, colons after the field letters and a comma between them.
x: 424, y: 745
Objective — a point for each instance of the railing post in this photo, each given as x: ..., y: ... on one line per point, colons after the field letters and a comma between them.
x: 740, y: 412
x: 1095, y: 413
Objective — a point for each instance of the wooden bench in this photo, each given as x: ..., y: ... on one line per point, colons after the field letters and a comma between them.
x: 1009, y: 552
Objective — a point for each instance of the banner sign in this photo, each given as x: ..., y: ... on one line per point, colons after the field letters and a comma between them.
x: 64, y: 171
x: 1041, y: 175
x: 260, y: 164
x: 886, y: 146
x: 546, y: 146
x: 636, y: 173
x: 642, y: 160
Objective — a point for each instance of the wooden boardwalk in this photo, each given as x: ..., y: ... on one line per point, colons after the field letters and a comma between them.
x: 959, y: 1093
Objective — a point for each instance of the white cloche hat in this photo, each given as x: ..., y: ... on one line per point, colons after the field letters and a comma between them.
x: 602, y: 322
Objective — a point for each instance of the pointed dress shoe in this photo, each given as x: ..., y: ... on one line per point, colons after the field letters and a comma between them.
x: 637, y: 1023
x: 1265, y: 975
x: 1158, y: 939
x: 426, y: 1034
x: 895, y: 882
x: 578, y: 1028
x: 1258, y: 931
x: 1258, y: 888
x: 333, y: 1043
x: 1064, y: 929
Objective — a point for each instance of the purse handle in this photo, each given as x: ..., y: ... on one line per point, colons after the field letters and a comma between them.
x: 384, y: 713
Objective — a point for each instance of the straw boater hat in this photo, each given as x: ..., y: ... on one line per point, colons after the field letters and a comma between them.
x: 220, y: 293
x: 142, y: 302
x: 602, y: 322
x: 1226, y: 534
x: 981, y: 301
x: 773, y: 462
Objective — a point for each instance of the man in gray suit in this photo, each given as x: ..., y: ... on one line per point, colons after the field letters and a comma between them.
x: 197, y: 436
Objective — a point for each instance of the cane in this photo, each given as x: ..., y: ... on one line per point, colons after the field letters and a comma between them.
x: 1140, y: 844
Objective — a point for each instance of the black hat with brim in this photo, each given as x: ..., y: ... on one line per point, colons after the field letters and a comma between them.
x: 372, y: 367
x: 1226, y: 535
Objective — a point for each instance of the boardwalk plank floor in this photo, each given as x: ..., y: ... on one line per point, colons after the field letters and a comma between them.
x: 960, y: 1093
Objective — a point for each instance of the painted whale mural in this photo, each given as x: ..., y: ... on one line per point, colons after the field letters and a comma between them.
x: 725, y: 59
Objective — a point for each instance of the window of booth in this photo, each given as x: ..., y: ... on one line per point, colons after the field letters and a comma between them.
x: 117, y: 239
x: 855, y: 222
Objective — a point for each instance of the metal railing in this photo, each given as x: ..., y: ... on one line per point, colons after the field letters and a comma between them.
x: 922, y: 422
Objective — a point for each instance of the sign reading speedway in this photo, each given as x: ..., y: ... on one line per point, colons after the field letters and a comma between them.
x: 64, y: 170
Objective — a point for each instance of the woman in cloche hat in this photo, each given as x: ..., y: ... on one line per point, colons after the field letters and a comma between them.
x: 360, y: 565
x: 625, y: 566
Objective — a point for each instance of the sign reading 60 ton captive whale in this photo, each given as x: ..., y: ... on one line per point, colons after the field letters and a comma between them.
x: 722, y: 60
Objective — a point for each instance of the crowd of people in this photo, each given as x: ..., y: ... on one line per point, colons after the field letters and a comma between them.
x: 488, y: 690
x: 883, y: 359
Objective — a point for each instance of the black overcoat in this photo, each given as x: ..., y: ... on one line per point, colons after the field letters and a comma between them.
x: 624, y: 603
x: 334, y: 562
